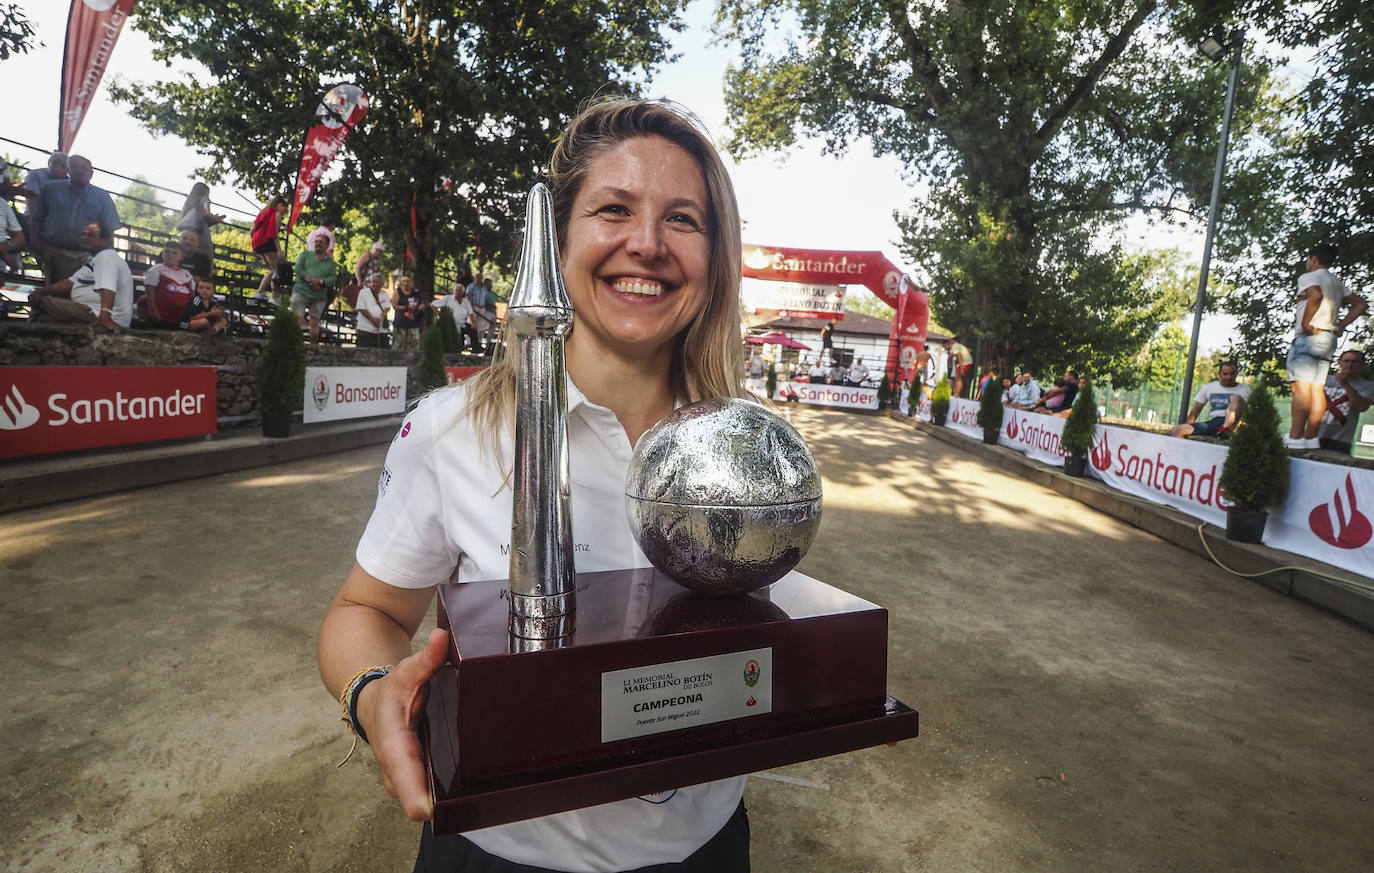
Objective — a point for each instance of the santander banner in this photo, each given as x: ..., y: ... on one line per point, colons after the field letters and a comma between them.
x: 1328, y: 516
x: 93, y: 27
x: 59, y: 409
x: 338, y: 393
x: 341, y: 109
x: 840, y: 396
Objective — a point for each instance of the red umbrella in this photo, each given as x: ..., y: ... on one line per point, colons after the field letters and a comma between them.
x: 778, y: 338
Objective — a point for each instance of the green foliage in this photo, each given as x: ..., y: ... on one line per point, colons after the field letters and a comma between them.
x: 1036, y: 127
x: 884, y: 392
x: 448, y: 330
x: 913, y: 396
x: 865, y: 302
x: 1255, y: 475
x: 431, y: 374
x: 770, y: 381
x: 466, y: 99
x: 939, y: 398
x: 281, y: 366
x: 16, y: 31
x: 990, y: 405
x: 141, y: 208
x: 1081, y: 427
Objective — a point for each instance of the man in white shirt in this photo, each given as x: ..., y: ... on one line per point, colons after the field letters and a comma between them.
x: 1315, y: 328
x: 461, y: 307
x: 1025, y: 393
x: 1224, y: 399
x: 373, y: 303
x: 858, y: 373
x: 1347, y: 395
x: 101, y: 292
x: 11, y: 237
x: 817, y: 372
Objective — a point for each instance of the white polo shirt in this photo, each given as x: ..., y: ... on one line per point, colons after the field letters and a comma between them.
x: 443, y: 514
x: 368, y: 302
x: 106, y: 270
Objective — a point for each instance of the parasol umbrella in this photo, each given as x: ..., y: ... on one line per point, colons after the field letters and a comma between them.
x: 778, y: 338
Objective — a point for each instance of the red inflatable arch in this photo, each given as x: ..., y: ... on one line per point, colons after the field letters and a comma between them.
x: 872, y: 270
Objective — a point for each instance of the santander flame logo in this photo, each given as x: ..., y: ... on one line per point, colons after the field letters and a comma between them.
x: 1013, y: 428
x: 1102, y: 455
x: 1351, y: 528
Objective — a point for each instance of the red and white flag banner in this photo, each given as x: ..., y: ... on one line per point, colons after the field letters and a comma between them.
x: 93, y: 27
x: 341, y: 109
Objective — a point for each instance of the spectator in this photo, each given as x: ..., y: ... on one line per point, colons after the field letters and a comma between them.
x: 196, y: 215
x: 858, y: 373
x: 1347, y: 395
x: 372, y: 305
x: 1320, y: 295
x: 1067, y: 406
x: 203, y: 314
x: 487, y: 315
x: 316, y: 274
x: 754, y: 368
x: 1224, y: 399
x: 266, y: 241
x: 326, y: 229
x: 461, y: 307
x: 837, y: 372
x: 11, y: 237
x: 34, y: 182
x: 475, y: 289
x: 1025, y: 392
x: 167, y: 290
x: 1007, y: 384
x: 1060, y: 397
x: 816, y: 373
x: 193, y: 258
x: 410, y: 313
x: 960, y: 362
x: 65, y: 209
x: 369, y: 263
x: 99, y: 292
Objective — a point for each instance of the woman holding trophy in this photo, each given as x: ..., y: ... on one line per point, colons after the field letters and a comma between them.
x: 649, y: 244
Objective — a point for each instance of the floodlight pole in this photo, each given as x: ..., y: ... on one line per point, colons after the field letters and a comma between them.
x: 1235, y: 44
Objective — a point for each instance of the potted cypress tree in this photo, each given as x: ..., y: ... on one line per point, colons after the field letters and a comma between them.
x: 1080, y: 430
x: 990, y: 410
x: 884, y: 392
x: 1255, y: 475
x: 770, y: 382
x: 448, y: 329
x: 939, y: 402
x: 913, y: 397
x: 431, y: 373
x: 281, y: 373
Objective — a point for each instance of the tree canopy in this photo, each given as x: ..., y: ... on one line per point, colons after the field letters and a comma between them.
x: 466, y: 99
x: 1035, y: 129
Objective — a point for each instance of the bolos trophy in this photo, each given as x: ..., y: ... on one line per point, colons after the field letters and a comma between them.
x: 733, y: 662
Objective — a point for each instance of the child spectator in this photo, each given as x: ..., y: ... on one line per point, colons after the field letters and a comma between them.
x: 203, y: 314
x: 167, y: 290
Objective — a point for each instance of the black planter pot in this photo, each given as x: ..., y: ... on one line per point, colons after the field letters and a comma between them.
x: 1245, y: 526
x: 276, y: 425
x: 938, y: 419
x: 990, y: 435
x: 1076, y: 464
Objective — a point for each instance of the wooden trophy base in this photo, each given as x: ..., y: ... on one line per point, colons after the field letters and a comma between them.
x: 656, y: 688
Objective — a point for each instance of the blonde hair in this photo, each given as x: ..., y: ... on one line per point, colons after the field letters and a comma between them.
x: 706, y: 359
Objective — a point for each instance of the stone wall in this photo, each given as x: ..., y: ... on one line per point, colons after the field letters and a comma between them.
x: 23, y: 344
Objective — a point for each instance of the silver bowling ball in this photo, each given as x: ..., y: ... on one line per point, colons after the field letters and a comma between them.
x: 723, y: 496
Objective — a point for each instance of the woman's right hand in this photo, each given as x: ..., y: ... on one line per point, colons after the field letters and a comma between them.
x: 390, y: 709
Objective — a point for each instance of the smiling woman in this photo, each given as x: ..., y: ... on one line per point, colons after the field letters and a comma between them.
x: 649, y: 236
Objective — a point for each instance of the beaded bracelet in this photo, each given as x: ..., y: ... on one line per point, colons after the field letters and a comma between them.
x: 348, y: 702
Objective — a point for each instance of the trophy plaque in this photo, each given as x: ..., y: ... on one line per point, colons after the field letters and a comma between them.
x: 565, y: 690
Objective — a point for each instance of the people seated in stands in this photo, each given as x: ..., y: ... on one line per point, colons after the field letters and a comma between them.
x: 11, y: 237
x: 193, y: 259
x: 60, y: 217
x: 816, y: 373
x: 203, y: 314
x: 371, y: 308
x: 1223, y: 400
x: 196, y: 214
x: 1060, y: 397
x: 167, y: 290
x: 316, y: 274
x: 100, y: 292
x: 1025, y: 392
x: 1347, y: 395
x: 461, y: 307
x: 1007, y: 384
x: 1067, y: 407
x: 858, y: 373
